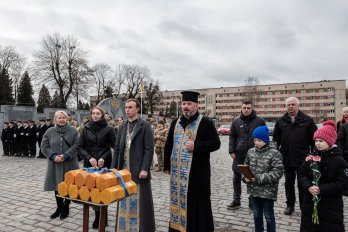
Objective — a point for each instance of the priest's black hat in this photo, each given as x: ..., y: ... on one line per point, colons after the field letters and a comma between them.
x: 190, y: 96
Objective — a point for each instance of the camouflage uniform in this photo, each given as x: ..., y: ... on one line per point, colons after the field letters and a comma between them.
x: 267, y: 166
x: 160, y: 140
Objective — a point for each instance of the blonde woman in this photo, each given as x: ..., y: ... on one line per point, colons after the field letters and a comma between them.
x: 59, y: 145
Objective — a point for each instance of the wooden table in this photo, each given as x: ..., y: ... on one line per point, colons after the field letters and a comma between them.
x: 102, y: 215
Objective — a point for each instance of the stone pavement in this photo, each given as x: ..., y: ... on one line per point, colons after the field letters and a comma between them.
x: 26, y: 207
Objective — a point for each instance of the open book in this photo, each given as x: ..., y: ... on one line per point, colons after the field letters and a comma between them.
x: 245, y: 169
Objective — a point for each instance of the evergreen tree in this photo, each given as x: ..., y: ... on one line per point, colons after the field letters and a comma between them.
x: 25, y: 91
x: 87, y: 107
x: 172, y: 109
x: 55, y: 100
x: 6, y: 97
x: 44, y: 99
x: 108, y: 92
x: 80, y: 105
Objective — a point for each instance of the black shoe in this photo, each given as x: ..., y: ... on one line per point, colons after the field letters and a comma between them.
x: 56, y: 214
x: 95, y: 224
x: 289, y: 210
x: 65, y: 211
x: 233, y: 205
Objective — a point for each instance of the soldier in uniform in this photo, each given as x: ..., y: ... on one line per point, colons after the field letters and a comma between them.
x: 13, y: 139
x: 20, y: 138
x: 32, y: 139
x: 5, y: 138
x: 160, y: 141
x: 25, y: 139
x: 49, y: 123
x: 40, y: 131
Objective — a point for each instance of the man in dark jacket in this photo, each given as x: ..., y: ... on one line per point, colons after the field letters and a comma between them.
x: 5, y: 138
x: 41, y: 130
x: 190, y: 140
x: 134, y: 149
x: 241, y: 140
x: 293, y: 133
x: 32, y: 139
x: 13, y: 138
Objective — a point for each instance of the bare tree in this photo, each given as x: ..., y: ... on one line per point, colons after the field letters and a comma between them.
x: 132, y: 76
x: 13, y: 64
x: 82, y: 79
x: 60, y: 63
x: 251, y: 90
x: 102, y: 78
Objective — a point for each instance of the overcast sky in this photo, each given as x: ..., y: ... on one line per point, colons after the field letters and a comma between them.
x: 194, y: 44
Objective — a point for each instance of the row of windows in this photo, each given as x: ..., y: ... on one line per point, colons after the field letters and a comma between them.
x: 239, y: 101
x: 262, y: 113
x: 279, y: 92
x: 256, y: 106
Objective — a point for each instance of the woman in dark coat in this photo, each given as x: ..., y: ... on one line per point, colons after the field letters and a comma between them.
x: 95, y: 143
x: 342, y: 140
x: 59, y: 146
x: 344, y: 118
x: 332, y: 181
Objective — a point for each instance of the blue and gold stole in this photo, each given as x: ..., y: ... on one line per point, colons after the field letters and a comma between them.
x: 181, y: 161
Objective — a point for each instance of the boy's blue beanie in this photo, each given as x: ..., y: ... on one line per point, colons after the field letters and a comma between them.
x: 262, y: 133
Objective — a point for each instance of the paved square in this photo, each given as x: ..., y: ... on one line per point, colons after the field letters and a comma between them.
x: 26, y: 207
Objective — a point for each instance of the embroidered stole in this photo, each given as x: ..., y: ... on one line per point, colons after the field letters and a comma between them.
x: 181, y: 161
x: 128, y: 214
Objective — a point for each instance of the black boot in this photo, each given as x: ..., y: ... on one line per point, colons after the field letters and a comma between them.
x: 65, y: 211
x: 106, y: 217
x: 95, y: 224
x: 59, y: 207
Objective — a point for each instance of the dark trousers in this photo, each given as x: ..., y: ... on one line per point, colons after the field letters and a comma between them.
x: 6, y: 147
x: 13, y: 147
x: 290, y: 177
x: 41, y: 155
x: 25, y: 147
x: 262, y: 206
x: 237, y: 181
x: 32, y: 148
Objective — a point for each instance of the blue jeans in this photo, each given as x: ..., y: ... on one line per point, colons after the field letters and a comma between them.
x: 263, y: 206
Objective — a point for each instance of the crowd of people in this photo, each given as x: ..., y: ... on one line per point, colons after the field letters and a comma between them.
x: 316, y: 157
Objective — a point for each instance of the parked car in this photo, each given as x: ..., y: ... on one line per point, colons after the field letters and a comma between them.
x: 270, y: 126
x: 224, y: 130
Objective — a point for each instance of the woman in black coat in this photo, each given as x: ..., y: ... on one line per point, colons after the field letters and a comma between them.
x: 342, y: 140
x: 95, y: 143
x: 332, y: 182
x: 344, y: 118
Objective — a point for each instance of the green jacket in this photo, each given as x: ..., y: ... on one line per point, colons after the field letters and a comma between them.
x: 267, y: 166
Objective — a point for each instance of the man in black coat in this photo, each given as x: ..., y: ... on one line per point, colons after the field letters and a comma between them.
x: 32, y: 139
x: 13, y: 138
x: 293, y: 133
x: 240, y: 141
x: 25, y: 139
x: 190, y: 140
x: 20, y: 138
x: 41, y: 130
x: 5, y: 138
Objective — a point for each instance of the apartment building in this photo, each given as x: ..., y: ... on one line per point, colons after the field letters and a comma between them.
x: 321, y: 100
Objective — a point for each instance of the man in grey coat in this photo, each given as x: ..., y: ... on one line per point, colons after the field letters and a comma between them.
x: 59, y: 145
x: 134, y: 149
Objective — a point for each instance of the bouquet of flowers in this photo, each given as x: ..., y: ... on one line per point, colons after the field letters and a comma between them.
x: 314, y: 165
